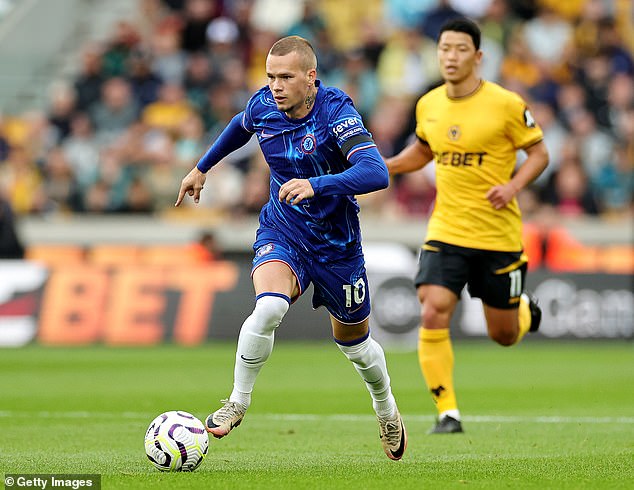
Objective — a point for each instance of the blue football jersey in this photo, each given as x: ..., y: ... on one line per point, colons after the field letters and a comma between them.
x: 315, y: 145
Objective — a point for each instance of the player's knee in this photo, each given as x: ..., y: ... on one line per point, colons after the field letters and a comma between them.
x: 269, y: 311
x: 432, y: 316
x: 356, y: 352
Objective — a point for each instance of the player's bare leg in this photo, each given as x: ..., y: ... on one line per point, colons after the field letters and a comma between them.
x: 508, y: 326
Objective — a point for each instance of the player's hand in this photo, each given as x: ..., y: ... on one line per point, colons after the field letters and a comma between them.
x: 500, y: 195
x: 295, y: 191
x: 191, y: 184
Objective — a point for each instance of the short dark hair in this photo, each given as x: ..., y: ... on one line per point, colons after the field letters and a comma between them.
x: 462, y: 24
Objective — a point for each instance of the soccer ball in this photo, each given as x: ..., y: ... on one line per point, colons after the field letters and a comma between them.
x: 176, y: 441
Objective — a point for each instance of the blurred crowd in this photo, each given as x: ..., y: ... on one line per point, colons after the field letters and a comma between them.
x: 145, y: 103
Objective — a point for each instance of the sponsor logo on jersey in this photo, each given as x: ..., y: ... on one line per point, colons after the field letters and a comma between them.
x: 345, y: 125
x: 459, y: 159
x: 528, y: 119
x: 454, y: 133
x: 308, y: 144
x: 265, y: 249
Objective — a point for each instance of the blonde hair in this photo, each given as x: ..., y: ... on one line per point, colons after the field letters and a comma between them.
x: 299, y: 45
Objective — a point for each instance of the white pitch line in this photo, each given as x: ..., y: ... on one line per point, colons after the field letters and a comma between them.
x: 486, y: 419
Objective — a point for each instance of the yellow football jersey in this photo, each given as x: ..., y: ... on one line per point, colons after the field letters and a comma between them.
x: 474, y: 140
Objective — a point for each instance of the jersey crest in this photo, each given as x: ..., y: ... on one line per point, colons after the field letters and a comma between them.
x: 454, y: 133
x: 308, y: 144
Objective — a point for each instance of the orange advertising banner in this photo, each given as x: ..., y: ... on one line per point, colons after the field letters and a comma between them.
x: 85, y: 304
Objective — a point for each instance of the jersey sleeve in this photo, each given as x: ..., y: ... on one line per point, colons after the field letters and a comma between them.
x: 247, y: 116
x: 235, y: 135
x: 347, y: 127
x: 232, y: 137
x: 521, y: 127
x: 420, y: 109
x: 368, y: 171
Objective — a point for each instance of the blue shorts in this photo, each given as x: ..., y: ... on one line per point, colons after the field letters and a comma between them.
x: 341, y: 285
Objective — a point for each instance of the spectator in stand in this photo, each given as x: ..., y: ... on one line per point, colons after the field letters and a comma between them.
x: 620, y: 99
x: 499, y: 23
x: 108, y: 193
x: 169, y: 60
x: 144, y: 82
x: 568, y: 191
x: 614, y: 183
x: 198, y: 78
x: 357, y: 79
x: 97, y: 198
x: 407, y: 64
x: 91, y: 78
x: 60, y: 184
x: 217, y: 108
x: 61, y: 111
x: 161, y: 170
x: 82, y: 150
x: 390, y: 124
x: 311, y: 25
x: 222, y: 43
x: 474, y: 9
x: 138, y: 199
x: 547, y: 36
x: 611, y: 43
x: 190, y: 142
x: 595, y: 145
x: 196, y: 15
x: 118, y: 49
x: 372, y: 42
x: 170, y: 111
x: 594, y: 75
x: 115, y: 111
x: 571, y: 99
x: 235, y: 77
x: 287, y: 14
x: 21, y: 182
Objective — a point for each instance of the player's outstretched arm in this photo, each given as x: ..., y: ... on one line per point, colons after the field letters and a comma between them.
x: 367, y: 173
x: 412, y: 158
x: 191, y: 184
x: 232, y: 137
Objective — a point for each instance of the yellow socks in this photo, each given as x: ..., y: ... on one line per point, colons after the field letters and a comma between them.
x: 524, y: 317
x: 435, y: 355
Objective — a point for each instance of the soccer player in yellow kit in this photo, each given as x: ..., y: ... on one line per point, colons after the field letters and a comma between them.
x: 472, y: 129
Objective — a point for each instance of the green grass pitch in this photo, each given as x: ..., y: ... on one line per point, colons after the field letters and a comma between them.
x: 544, y: 414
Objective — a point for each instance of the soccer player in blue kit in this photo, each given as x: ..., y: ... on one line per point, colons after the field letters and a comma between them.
x: 320, y: 156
